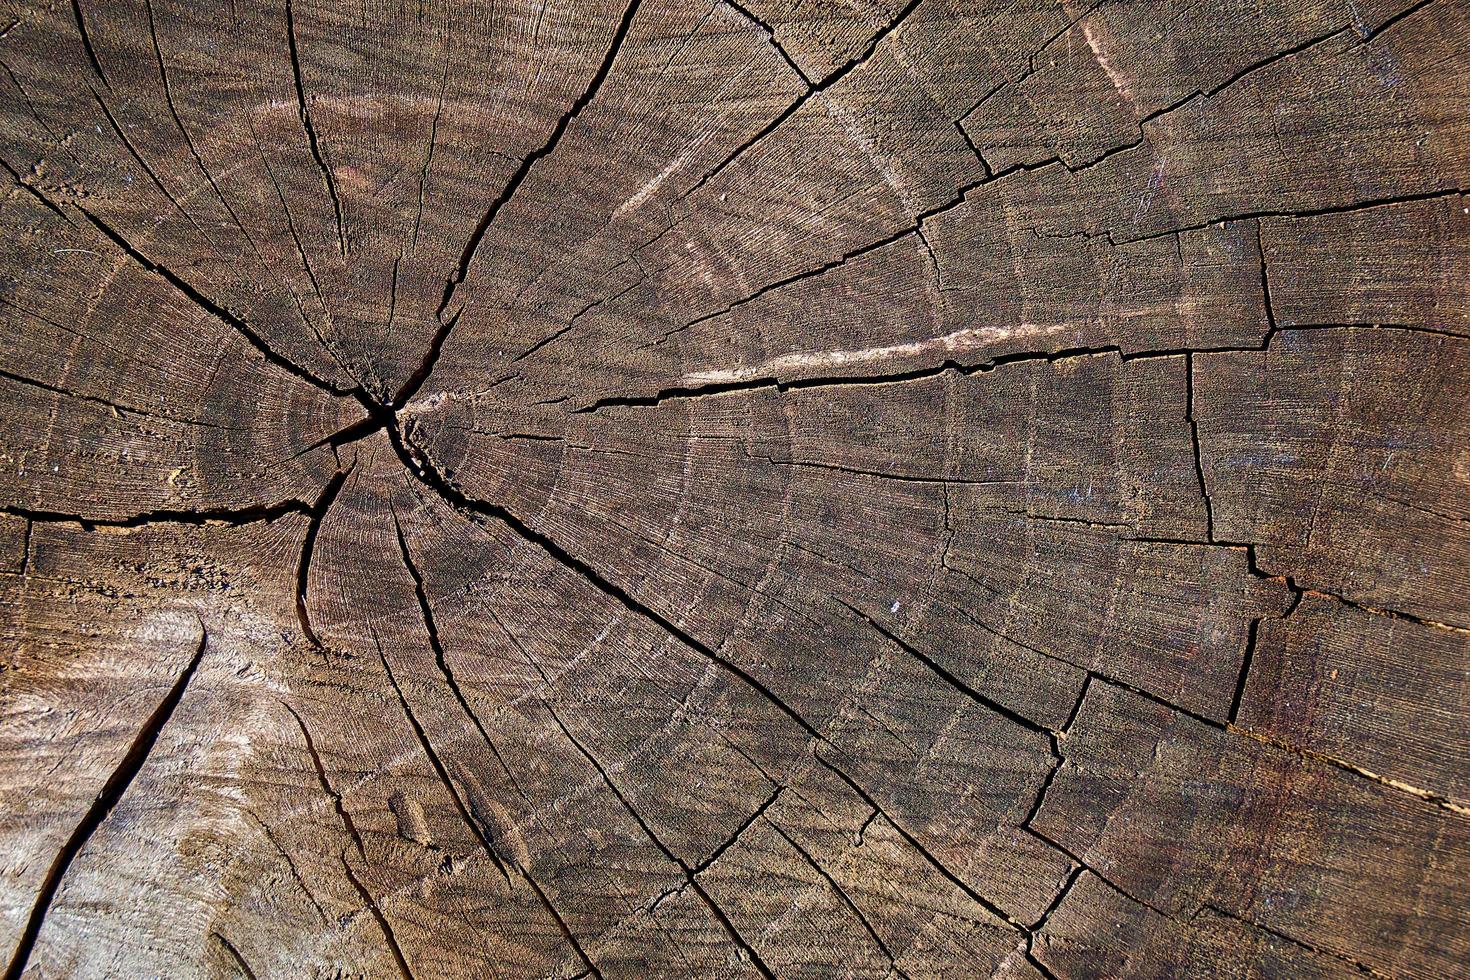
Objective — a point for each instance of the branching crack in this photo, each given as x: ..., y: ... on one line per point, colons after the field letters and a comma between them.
x: 689, y: 874
x: 831, y: 79
x: 771, y: 36
x: 918, y: 846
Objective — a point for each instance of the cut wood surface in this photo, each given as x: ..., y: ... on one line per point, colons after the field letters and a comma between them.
x: 750, y: 488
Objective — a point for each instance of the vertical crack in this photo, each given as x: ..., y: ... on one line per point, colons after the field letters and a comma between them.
x: 25, y: 548
x: 76, y: 10
x: 384, y: 926
x: 1245, y: 669
x: 476, y: 827
x: 308, y: 546
x: 1265, y: 287
x: 1199, y: 466
x: 112, y: 792
x: 473, y: 244
x: 305, y: 115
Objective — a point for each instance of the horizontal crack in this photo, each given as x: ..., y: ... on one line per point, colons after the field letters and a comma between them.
x: 224, y: 517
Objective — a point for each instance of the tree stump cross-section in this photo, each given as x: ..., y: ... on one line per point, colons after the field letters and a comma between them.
x: 776, y: 488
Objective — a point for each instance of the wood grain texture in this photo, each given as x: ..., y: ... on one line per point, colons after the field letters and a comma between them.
x: 622, y: 488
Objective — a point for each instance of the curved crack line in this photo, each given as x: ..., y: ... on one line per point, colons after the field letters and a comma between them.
x: 308, y: 546
x: 76, y: 10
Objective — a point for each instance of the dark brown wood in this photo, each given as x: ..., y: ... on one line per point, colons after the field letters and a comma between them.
x: 633, y: 488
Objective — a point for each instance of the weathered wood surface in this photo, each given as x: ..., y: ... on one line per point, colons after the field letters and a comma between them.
x: 648, y: 487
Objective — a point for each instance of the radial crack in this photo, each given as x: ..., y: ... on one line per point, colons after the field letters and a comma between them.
x: 896, y: 377
x: 473, y: 244
x: 76, y: 10
x: 923, y: 851
x: 304, y: 114
x: 234, y: 955
x: 947, y: 676
x: 211, y: 307
x: 476, y: 828
x: 308, y: 545
x: 384, y: 926
x: 423, y: 469
x: 107, y: 798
